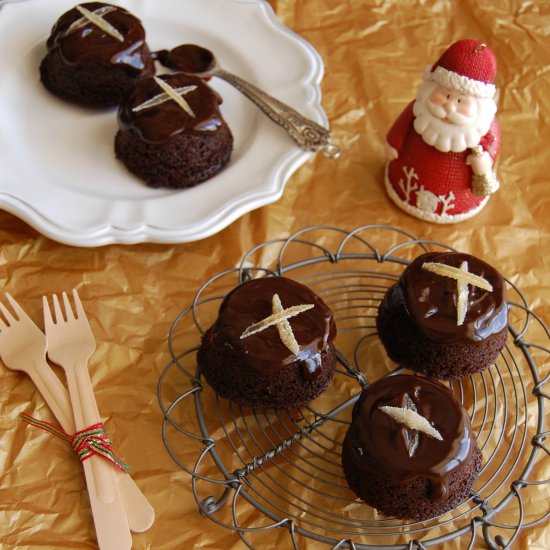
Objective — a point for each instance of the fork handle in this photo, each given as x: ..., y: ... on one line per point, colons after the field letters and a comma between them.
x: 111, y: 526
x: 86, y: 414
x: 55, y: 395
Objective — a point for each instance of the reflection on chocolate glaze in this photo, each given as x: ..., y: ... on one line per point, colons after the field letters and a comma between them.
x: 157, y: 124
x: 91, y: 42
x: 251, y: 302
x: 431, y: 300
x: 381, y: 444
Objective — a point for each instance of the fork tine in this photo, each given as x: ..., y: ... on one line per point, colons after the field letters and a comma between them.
x: 48, y: 319
x: 69, y: 313
x: 7, y: 313
x: 3, y: 325
x: 58, y: 312
x: 78, y: 304
x: 15, y: 306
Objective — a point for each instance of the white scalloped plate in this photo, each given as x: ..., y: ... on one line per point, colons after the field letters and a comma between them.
x: 58, y: 171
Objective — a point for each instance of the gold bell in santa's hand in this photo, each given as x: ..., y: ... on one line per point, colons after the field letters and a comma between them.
x: 485, y: 184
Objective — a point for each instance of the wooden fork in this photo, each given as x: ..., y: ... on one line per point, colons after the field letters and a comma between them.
x: 70, y: 345
x: 23, y: 348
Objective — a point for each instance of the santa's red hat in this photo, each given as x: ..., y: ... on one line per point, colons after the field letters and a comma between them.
x: 467, y: 66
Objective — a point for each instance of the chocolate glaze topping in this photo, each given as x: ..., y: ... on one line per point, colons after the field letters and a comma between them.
x: 431, y: 300
x: 380, y: 443
x: 157, y: 124
x: 91, y: 42
x: 251, y: 302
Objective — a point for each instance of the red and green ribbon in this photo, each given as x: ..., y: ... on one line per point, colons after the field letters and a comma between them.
x: 86, y: 443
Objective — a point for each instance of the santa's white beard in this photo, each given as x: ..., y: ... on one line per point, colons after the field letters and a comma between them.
x: 457, y: 135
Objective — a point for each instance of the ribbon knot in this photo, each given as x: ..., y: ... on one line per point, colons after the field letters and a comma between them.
x: 86, y: 443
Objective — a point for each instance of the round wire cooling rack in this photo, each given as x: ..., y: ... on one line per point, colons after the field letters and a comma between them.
x: 275, y: 475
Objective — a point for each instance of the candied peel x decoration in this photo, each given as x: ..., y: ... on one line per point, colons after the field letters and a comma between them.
x: 463, y: 278
x: 280, y: 318
x: 169, y: 93
x: 161, y: 98
x: 96, y: 18
x: 412, y: 420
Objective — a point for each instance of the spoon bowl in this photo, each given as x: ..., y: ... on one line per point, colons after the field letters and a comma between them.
x: 190, y: 59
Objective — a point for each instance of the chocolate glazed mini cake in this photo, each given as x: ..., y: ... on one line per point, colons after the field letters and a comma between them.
x: 96, y: 53
x: 171, y: 132
x: 271, y: 345
x: 409, y: 451
x: 446, y: 316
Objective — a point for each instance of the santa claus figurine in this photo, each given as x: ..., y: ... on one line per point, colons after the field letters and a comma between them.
x: 442, y: 148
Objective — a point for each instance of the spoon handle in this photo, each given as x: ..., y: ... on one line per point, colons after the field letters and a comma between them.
x: 309, y: 135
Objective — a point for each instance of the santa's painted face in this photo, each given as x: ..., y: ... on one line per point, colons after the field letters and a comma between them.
x: 452, y: 107
x: 450, y: 120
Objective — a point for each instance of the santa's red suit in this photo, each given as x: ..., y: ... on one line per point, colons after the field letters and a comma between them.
x: 429, y: 183
x: 432, y: 184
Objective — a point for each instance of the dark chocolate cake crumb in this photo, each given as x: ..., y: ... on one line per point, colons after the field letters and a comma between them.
x: 406, y: 481
x: 88, y: 67
x: 173, y: 141
x: 259, y: 370
x: 417, y: 319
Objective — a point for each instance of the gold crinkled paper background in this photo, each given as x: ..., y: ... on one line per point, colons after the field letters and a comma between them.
x: 374, y: 53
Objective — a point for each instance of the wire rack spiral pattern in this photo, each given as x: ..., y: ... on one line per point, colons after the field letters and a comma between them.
x: 277, y: 473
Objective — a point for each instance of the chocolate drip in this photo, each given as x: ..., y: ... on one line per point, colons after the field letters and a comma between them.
x: 157, y: 124
x: 91, y: 42
x: 431, y: 300
x: 380, y: 443
x: 311, y: 366
x: 251, y: 302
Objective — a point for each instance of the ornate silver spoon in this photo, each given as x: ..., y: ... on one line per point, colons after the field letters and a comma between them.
x: 198, y: 61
